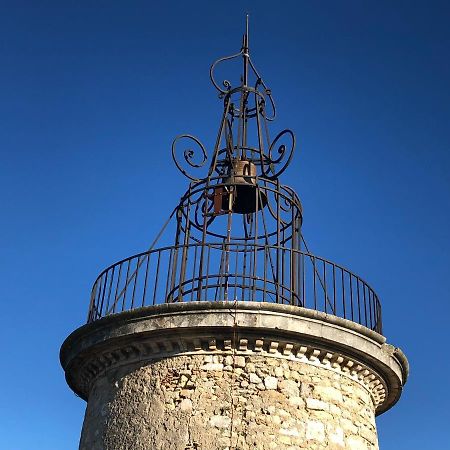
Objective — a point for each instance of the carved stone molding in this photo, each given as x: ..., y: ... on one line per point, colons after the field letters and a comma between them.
x: 272, y: 331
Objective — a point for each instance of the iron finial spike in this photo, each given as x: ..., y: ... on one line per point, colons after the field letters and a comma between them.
x: 246, y: 32
x: 245, y: 53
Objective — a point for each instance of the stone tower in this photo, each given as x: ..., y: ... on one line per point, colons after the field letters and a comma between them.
x: 235, y: 336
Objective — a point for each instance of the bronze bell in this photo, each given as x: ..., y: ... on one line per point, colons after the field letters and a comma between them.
x: 240, y: 184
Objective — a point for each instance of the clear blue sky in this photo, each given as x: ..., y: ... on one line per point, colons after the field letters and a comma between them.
x: 92, y: 93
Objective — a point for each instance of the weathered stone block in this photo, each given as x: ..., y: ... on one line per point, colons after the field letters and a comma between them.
x: 270, y: 382
x: 319, y: 405
x: 220, y: 421
x: 289, y: 388
x: 357, y: 443
x: 254, y: 379
x: 328, y: 394
x: 315, y: 430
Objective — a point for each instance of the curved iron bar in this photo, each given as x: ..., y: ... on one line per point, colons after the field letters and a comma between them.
x: 272, y: 162
x: 189, y: 155
x: 199, y: 193
x: 155, y: 276
x: 225, y: 83
x: 267, y: 91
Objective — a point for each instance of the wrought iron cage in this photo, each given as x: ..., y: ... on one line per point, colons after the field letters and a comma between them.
x: 238, y: 229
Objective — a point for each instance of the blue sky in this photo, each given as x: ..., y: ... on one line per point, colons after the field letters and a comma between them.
x: 92, y: 94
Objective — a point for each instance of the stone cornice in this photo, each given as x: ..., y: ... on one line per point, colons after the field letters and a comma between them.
x: 246, y: 328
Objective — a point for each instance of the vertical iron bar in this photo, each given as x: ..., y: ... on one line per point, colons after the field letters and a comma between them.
x: 379, y: 319
x: 156, y: 276
x: 103, y: 289
x: 244, y: 273
x: 236, y: 273
x: 110, y: 288
x: 283, y: 269
x: 359, y: 303
x: 250, y: 272
x: 314, y: 276
x: 334, y: 289
x: 325, y: 285
x: 193, y: 272
x: 255, y: 249
x: 303, y: 280
x: 277, y: 283
x: 169, y: 269
x: 146, y: 279
x: 184, y: 257
x: 343, y: 292
x: 136, y: 273
x: 265, y: 249
x: 92, y: 306
x: 365, y: 304
x: 294, y: 256
x: 124, y: 291
x: 116, y: 299
x: 175, y: 250
x: 351, y: 294
x: 207, y: 272
x: 374, y: 310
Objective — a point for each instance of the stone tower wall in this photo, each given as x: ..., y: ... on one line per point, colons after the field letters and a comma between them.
x: 209, y: 377
x: 220, y: 401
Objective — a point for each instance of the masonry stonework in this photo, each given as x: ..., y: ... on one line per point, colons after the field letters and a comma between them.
x: 229, y: 401
x: 206, y: 376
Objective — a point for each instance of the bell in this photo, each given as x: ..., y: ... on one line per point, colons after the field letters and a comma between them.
x: 243, y: 192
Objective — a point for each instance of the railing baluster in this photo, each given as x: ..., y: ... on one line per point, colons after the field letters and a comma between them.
x: 99, y: 296
x: 169, y: 269
x: 156, y: 276
x: 365, y: 306
x: 373, y: 310
x: 361, y: 306
x: 314, y: 277
x: 351, y: 294
x: 109, y: 289
x: 136, y: 274
x: 104, y: 290
x: 193, y: 272
x: 343, y: 292
x: 236, y: 273
x: 145, y: 280
x: 334, y: 289
x: 124, y: 291
x: 116, y: 299
x: 208, y: 255
x: 92, y: 306
x: 303, y: 281
x: 325, y: 293
x: 266, y: 260
x: 379, y: 322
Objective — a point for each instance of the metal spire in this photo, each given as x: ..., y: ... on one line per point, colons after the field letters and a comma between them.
x: 243, y: 133
x: 245, y: 53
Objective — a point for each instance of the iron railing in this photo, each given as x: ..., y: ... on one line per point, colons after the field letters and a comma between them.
x: 244, y: 272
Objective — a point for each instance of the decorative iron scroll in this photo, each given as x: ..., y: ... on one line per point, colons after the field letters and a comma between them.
x: 285, y: 152
x: 243, y: 103
x: 189, y: 155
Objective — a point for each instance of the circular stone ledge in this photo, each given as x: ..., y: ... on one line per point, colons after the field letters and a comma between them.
x: 268, y: 329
